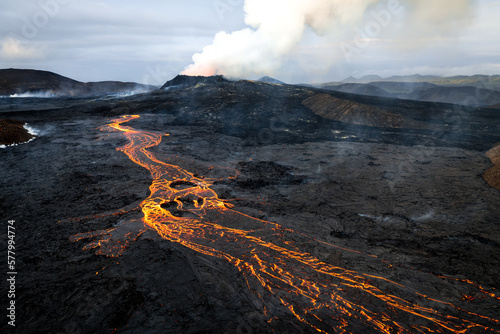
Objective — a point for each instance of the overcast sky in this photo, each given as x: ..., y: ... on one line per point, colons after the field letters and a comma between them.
x: 151, y: 41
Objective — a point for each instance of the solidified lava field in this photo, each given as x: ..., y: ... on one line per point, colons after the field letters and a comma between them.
x: 244, y: 207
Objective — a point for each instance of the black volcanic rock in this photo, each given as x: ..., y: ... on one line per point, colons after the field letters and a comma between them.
x: 492, y: 175
x: 361, y: 89
x: 17, y: 81
x: 13, y: 132
x: 352, y: 112
x: 186, y: 81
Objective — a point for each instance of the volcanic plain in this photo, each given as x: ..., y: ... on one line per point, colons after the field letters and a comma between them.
x: 339, y: 212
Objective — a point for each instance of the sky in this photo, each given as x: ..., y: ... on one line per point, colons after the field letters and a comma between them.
x: 297, y: 41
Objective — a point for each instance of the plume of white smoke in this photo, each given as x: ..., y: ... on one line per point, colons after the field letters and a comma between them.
x: 436, y: 14
x: 12, y: 48
x: 276, y: 27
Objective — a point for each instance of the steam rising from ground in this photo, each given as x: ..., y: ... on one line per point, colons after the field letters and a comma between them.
x: 102, y: 94
x: 41, y: 95
x: 276, y: 27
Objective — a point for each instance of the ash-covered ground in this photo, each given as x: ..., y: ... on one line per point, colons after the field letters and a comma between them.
x: 405, y: 204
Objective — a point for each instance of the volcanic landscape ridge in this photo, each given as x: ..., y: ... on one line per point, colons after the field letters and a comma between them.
x: 35, y: 83
x: 212, y: 205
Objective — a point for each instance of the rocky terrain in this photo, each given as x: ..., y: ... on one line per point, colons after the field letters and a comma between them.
x: 492, y: 175
x: 341, y: 217
x: 352, y: 112
x: 13, y: 132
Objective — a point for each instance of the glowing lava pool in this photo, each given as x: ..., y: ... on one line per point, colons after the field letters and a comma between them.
x: 183, y: 209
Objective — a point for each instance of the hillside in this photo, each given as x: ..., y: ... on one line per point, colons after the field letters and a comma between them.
x: 184, y: 81
x: 467, y: 95
x: 481, y: 81
x: 480, y: 91
x: 403, y: 87
x: 361, y: 89
x: 352, y: 112
x: 16, y: 81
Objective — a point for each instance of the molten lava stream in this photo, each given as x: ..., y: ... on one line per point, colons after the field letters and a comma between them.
x: 183, y: 209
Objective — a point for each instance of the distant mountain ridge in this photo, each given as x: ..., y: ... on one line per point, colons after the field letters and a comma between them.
x: 20, y: 81
x: 477, y: 90
x: 459, y: 80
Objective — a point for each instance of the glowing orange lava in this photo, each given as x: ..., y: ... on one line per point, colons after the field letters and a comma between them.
x: 184, y: 209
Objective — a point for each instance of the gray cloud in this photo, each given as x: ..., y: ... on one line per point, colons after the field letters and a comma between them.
x: 152, y: 41
x: 96, y: 40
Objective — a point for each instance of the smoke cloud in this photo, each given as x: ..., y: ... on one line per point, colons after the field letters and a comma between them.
x: 12, y: 48
x: 276, y: 27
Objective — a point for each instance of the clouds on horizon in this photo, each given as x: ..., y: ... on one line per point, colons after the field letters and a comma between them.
x: 12, y: 48
x: 99, y: 40
x: 153, y: 40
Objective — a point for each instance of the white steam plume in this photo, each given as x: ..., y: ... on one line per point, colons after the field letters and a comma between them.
x: 276, y: 27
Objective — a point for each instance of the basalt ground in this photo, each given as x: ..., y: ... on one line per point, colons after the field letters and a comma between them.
x: 406, y: 204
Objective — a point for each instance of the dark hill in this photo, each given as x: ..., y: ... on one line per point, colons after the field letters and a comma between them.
x: 458, y: 95
x: 361, y: 89
x: 402, y: 87
x: 480, y: 81
x: 422, y: 91
x: 13, y: 81
x: 17, y: 81
x: 353, y: 112
x: 187, y: 81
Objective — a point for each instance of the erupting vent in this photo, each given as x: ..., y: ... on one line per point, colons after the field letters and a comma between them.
x: 187, y: 81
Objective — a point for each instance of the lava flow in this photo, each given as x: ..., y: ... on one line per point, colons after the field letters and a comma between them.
x: 182, y: 208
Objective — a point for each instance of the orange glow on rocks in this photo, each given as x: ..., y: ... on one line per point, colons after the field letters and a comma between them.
x: 183, y: 209
x: 199, y: 71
